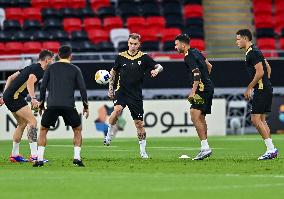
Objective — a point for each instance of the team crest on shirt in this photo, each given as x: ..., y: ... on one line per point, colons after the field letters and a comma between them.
x: 139, y: 63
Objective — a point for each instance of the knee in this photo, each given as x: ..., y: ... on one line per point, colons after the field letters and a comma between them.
x: 255, y: 120
x: 33, y: 123
x: 22, y: 126
x: 117, y: 111
x: 77, y: 130
x: 139, y: 124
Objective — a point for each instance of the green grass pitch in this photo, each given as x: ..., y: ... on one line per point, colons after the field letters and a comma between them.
x: 233, y: 172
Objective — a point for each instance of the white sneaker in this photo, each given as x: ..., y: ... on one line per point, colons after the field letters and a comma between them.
x: 269, y: 155
x: 107, y: 140
x: 144, y: 155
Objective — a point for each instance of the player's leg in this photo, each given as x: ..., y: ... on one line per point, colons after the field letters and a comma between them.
x: 198, y: 113
x: 77, y: 141
x: 27, y: 114
x: 17, y: 136
x: 259, y: 122
x: 48, y: 119
x: 137, y: 111
x: 118, y: 108
x: 260, y: 105
x: 141, y: 134
x: 198, y: 120
x: 39, y: 161
x: 72, y: 118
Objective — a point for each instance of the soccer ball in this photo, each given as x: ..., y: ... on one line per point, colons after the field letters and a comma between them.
x: 102, y: 77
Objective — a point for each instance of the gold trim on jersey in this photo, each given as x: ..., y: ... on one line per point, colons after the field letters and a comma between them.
x: 248, y: 50
x: 118, y: 84
x: 126, y: 55
x: 64, y: 61
x: 201, y: 86
x: 260, y: 84
x: 21, y: 89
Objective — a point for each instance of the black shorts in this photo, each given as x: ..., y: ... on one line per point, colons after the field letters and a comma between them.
x: 14, y: 104
x: 262, y: 100
x: 70, y: 117
x: 135, y: 106
x: 207, y: 96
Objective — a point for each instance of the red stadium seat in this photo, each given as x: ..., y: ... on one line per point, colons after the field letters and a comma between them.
x: 279, y: 7
x: 92, y: 23
x: 72, y: 24
x: 169, y: 34
x: 197, y: 43
x: 97, y: 36
x: 266, y: 43
x: 279, y: 22
x: 51, y: 45
x: 158, y: 23
x: 193, y: 11
x: 264, y: 21
x: 149, y: 35
x: 59, y: 3
x: 97, y: 4
x: 40, y: 3
x: 77, y: 3
x: 32, y: 47
x: 2, y: 49
x: 262, y: 9
x: 14, y: 48
x: 282, y: 43
x: 135, y: 23
x: 14, y: 13
x: 259, y: 2
x: 112, y: 22
x: 32, y: 14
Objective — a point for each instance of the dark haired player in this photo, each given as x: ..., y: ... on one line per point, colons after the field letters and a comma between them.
x: 260, y: 85
x: 17, y: 87
x: 202, y: 91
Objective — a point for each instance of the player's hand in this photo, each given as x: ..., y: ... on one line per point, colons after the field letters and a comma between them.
x: 248, y: 93
x: 111, y: 94
x: 86, y: 113
x: 154, y: 73
x: 190, y: 97
x: 41, y: 108
x: 1, y: 101
x: 35, y: 104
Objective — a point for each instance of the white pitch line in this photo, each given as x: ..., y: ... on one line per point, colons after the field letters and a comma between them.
x: 161, y: 148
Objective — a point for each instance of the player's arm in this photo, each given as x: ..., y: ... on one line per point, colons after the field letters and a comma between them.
x: 43, y: 87
x: 258, y: 75
x: 268, y: 67
x: 113, y: 73
x: 31, y: 90
x: 111, y: 84
x: 209, y: 66
x: 10, y: 79
x: 196, y: 80
x: 83, y: 91
x: 158, y: 68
